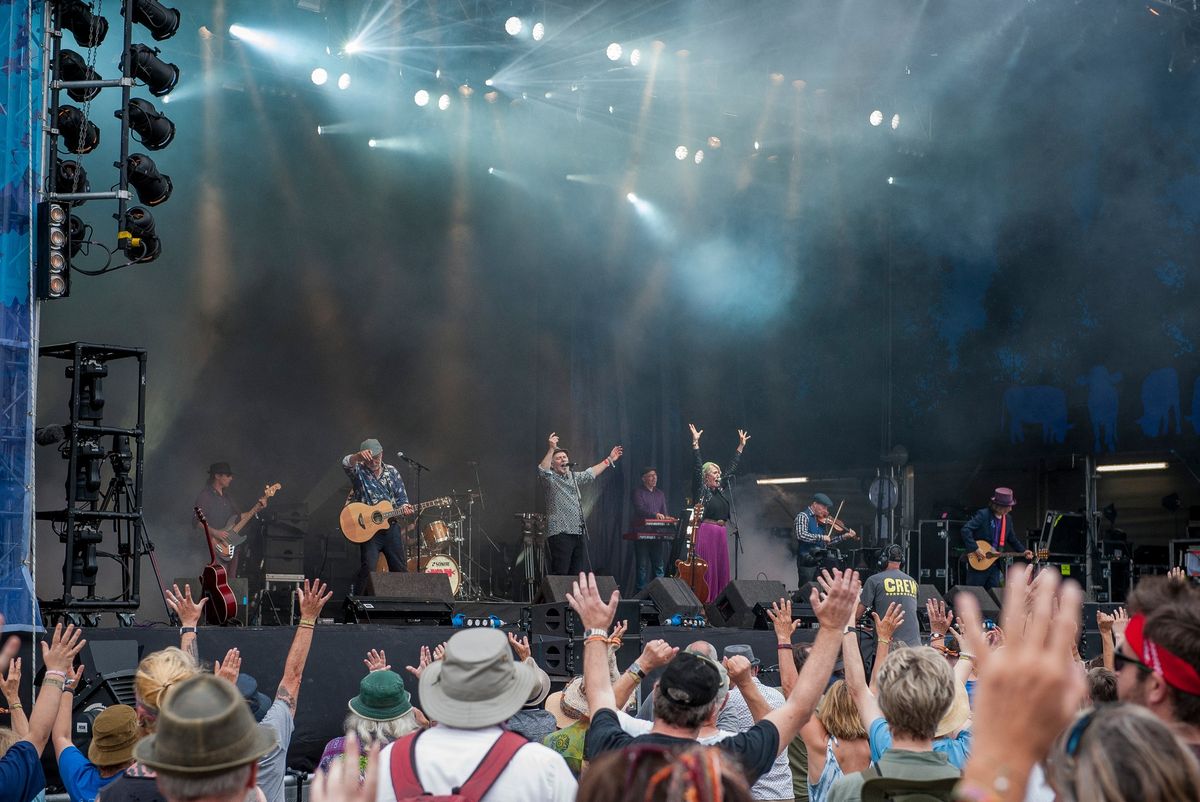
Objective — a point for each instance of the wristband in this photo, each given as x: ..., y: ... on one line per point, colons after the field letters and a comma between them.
x: 595, y: 639
x: 883, y: 640
x: 962, y: 656
x: 16, y: 706
x: 603, y: 633
x: 608, y: 461
x: 185, y: 630
x: 614, y: 642
x: 936, y: 637
x: 308, y: 621
x: 783, y: 647
x: 54, y: 672
x: 53, y: 682
x: 848, y: 629
x: 636, y: 670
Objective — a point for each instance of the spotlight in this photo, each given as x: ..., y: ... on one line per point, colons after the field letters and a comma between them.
x: 539, y: 31
x: 681, y: 152
x: 891, y: 179
x: 353, y: 46
x: 88, y: 29
x: 513, y: 26
x: 78, y: 133
x: 699, y: 156
x: 159, y: 76
x: 72, y: 67
x: 757, y: 145
x: 320, y: 130
x: 162, y: 22
x: 153, y: 128
x: 371, y: 143
x: 319, y: 76
x: 895, y: 121
x: 444, y: 102
x: 491, y: 97
x: 631, y: 197
x: 876, y: 117
x: 56, y: 228
x: 344, y: 81
x: 491, y: 171
x: 143, y: 244
x: 152, y: 186
x: 71, y: 178
x: 714, y: 142
x: 421, y: 98
x: 488, y: 82
x: 614, y: 52
x: 635, y: 57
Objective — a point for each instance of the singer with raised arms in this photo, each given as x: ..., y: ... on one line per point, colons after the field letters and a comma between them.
x: 564, y: 506
x: 373, y: 481
x: 712, y: 538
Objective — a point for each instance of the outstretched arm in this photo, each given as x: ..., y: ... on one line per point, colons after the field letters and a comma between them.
x: 596, y: 614
x: 856, y: 680
x: 655, y: 655
x: 313, y: 597
x: 189, y: 611
x: 741, y: 676
x: 12, y: 697
x: 57, y: 656
x: 61, y: 734
x: 885, y: 628
x: 608, y: 462
x: 781, y: 618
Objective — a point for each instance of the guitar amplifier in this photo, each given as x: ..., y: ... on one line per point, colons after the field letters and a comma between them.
x: 283, y: 555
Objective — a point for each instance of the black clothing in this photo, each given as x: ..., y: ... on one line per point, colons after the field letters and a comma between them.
x: 716, y: 502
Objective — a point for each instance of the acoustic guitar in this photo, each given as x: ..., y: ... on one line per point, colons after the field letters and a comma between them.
x: 227, y: 546
x: 989, y: 556
x: 214, y: 583
x: 361, y: 521
x: 694, y: 570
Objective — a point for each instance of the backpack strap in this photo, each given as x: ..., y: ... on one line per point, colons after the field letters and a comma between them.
x: 883, y: 789
x: 492, y: 766
x: 404, y: 768
x: 870, y: 772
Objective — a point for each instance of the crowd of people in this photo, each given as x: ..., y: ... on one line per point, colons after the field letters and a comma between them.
x: 974, y: 712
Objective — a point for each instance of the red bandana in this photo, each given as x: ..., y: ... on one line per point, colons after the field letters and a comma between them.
x: 1174, y: 670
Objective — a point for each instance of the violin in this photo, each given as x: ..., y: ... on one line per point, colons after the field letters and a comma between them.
x: 837, y: 525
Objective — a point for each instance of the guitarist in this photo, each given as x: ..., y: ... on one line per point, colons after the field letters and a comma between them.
x: 218, y: 505
x: 994, y: 525
x: 373, y: 481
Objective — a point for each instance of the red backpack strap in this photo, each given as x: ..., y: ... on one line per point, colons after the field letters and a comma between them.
x: 492, y: 766
x: 403, y: 765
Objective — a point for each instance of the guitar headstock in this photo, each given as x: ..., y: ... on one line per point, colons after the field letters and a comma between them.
x: 1042, y: 554
x: 269, y: 491
x: 200, y: 515
x: 444, y: 501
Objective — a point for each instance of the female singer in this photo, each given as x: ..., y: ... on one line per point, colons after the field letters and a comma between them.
x: 712, y: 540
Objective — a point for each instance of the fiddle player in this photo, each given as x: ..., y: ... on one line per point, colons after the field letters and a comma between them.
x: 994, y: 525
x: 813, y: 535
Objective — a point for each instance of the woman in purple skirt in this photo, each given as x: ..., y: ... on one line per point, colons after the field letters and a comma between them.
x: 712, y: 540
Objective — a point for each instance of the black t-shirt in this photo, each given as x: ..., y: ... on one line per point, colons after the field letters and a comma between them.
x: 131, y: 789
x: 756, y: 748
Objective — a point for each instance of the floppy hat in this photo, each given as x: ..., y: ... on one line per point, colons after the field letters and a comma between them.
x: 956, y: 715
x: 204, y: 727
x: 477, y: 683
x: 381, y: 697
x: 541, y: 689
x: 114, y: 733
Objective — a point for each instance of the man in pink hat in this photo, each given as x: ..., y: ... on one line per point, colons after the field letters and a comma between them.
x: 993, y: 525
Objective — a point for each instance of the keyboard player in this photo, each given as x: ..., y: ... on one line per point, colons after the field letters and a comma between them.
x: 650, y: 504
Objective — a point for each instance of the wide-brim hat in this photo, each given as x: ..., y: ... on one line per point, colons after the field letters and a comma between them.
x: 204, y: 727
x: 477, y: 683
x: 381, y: 697
x: 541, y: 689
x: 555, y: 707
x: 259, y: 702
x: 114, y: 733
x: 220, y: 467
x: 1003, y: 497
x: 957, y: 714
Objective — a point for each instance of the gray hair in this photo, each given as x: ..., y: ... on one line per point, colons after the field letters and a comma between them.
x: 916, y: 687
x: 231, y: 784
x: 382, y: 732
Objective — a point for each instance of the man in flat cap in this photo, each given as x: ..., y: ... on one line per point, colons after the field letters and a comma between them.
x: 372, y: 481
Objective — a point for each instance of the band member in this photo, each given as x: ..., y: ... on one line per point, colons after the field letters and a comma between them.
x: 220, y: 509
x: 373, y: 481
x: 712, y: 539
x: 564, y: 510
x: 812, y: 536
x: 994, y: 525
x: 649, y: 503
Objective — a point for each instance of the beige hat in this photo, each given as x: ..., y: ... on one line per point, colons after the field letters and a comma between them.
x: 477, y: 683
x: 114, y: 733
x: 958, y: 713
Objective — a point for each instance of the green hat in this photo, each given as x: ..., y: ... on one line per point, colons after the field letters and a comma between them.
x: 381, y: 697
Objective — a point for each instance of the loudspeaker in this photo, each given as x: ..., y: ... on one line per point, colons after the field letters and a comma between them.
x: 734, y: 607
x: 415, y: 587
x: 108, y: 680
x: 283, y: 555
x: 561, y: 621
x: 555, y: 587
x: 672, y: 596
x: 399, y: 612
x: 562, y: 657
x: 804, y: 594
x: 988, y: 606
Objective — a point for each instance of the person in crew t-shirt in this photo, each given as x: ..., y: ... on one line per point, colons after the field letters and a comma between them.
x: 889, y: 586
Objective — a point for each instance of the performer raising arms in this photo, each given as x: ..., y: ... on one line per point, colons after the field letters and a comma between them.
x: 712, y: 539
x: 373, y: 481
x: 564, y: 511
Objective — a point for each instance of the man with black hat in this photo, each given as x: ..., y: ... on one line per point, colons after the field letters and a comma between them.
x: 994, y: 525
x: 649, y: 503
x: 811, y: 537
x: 220, y: 510
x: 372, y: 481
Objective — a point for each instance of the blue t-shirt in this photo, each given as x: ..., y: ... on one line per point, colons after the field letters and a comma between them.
x: 80, y: 776
x: 956, y: 750
x: 21, y: 777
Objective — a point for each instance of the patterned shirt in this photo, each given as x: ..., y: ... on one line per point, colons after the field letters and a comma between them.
x: 563, y: 513
x: 371, y: 489
x: 807, y: 528
x: 735, y: 716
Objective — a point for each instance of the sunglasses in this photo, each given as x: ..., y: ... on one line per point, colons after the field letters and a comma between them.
x: 1077, y: 731
x: 1120, y: 660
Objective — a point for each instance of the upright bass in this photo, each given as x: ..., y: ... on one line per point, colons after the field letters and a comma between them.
x: 694, y: 570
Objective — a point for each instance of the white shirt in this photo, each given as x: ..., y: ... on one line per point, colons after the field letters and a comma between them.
x: 776, y: 783
x: 446, y: 756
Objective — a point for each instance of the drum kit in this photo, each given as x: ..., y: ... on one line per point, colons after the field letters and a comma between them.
x: 446, y: 546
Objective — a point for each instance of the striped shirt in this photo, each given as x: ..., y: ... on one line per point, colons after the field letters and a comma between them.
x: 735, y: 716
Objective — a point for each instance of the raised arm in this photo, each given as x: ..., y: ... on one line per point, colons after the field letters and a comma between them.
x: 609, y: 461
x: 885, y: 628
x: 60, y: 735
x: 313, y: 597
x: 57, y: 656
x: 189, y: 611
x: 12, y: 697
x: 655, y: 655
x: 553, y: 441
x: 781, y: 618
x: 856, y: 679
x: 596, y: 615
x: 741, y: 676
x: 743, y: 438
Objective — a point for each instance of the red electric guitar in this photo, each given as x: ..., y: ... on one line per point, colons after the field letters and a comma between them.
x: 222, y: 604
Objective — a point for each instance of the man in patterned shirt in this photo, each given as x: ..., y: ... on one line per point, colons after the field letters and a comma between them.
x: 372, y: 481
x: 811, y: 537
x: 564, y: 511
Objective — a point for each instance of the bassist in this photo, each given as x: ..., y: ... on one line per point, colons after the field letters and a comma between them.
x: 994, y: 525
x: 373, y: 481
x: 218, y: 506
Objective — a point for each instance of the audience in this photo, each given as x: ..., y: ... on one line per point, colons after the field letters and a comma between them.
x: 657, y: 774
x: 738, y: 715
x: 380, y: 713
x: 532, y: 720
x: 835, y: 740
x: 114, y: 732
x: 1102, y: 686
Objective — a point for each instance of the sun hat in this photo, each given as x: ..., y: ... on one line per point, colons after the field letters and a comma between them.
x: 957, y: 714
x: 381, y: 697
x: 114, y: 732
x: 259, y: 703
x: 477, y: 683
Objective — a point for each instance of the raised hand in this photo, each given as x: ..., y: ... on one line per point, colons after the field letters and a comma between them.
x: 838, y: 604
x: 439, y: 651
x: 520, y: 646
x: 940, y: 617
x: 12, y: 682
x: 182, y: 604
x: 312, y: 598
x: 1176, y: 574
x: 695, y: 434
x: 616, y: 453
x: 425, y: 660
x: 585, y: 600
x: 64, y: 646
x: 1104, y: 622
x: 739, y: 669
x: 230, y: 667
x: 892, y: 619
x: 552, y: 440
x: 618, y: 631
x: 743, y: 438
x: 376, y: 660
x: 781, y: 618
x: 656, y: 654
x: 1120, y: 621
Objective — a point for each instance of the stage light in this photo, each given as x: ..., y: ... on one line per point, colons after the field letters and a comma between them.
x: 635, y: 57
x: 444, y: 102
x: 876, y: 117
x: 56, y: 229
x: 488, y: 82
x: 491, y: 97
x: 681, y: 152
x: 162, y: 22
x: 783, y: 480
x: 421, y: 98
x: 631, y: 197
x: 614, y: 52
x: 371, y: 143
x: 153, y: 128
x: 77, y: 133
x: 320, y: 130
x: 72, y: 67
x: 143, y: 244
x: 152, y: 187
x: 71, y: 178
x: 344, y: 81
x: 205, y: 33
x: 1131, y: 466
x: 757, y: 145
x: 88, y: 29
x: 539, y: 31
x: 319, y: 76
x: 353, y: 46
x: 611, y: 110
x: 238, y: 31
x: 891, y: 179
x: 699, y: 156
x: 491, y: 171
x: 166, y: 98
x: 465, y: 90
x: 895, y: 121
x: 513, y: 26
x: 159, y: 76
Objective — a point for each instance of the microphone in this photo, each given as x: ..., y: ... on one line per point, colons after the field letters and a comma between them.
x: 572, y: 464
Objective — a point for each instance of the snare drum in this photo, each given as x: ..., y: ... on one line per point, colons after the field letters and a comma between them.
x: 437, y: 535
x: 439, y: 564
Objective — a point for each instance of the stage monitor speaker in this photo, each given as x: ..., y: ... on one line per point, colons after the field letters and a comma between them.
x: 672, y: 596
x: 410, y: 586
x: 734, y: 607
x: 804, y: 594
x: 283, y: 555
x: 988, y: 606
x: 562, y: 657
x: 108, y: 680
x: 555, y: 587
x: 561, y: 621
x: 398, y: 612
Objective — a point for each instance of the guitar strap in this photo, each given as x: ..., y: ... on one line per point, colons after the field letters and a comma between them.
x: 1003, y: 522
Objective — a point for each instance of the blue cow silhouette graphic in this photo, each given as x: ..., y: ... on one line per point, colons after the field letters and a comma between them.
x: 1160, y: 399
x: 1037, y: 405
x: 1102, y: 406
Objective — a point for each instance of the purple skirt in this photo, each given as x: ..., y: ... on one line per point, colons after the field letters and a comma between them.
x: 712, y: 546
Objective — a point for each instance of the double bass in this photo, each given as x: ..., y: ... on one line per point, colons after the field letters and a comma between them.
x: 694, y: 570
x: 214, y: 580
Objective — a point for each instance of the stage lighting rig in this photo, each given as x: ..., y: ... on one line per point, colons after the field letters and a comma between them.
x: 152, y: 187
x: 56, y: 245
x: 154, y: 129
x: 162, y: 22
x: 143, y: 63
x: 142, y: 244
x: 89, y: 459
x: 91, y: 389
x: 70, y: 177
x: 72, y: 67
x: 79, y: 134
x: 78, y: 17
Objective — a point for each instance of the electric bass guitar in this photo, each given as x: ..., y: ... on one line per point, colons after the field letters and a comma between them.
x: 989, y: 556
x: 227, y: 546
x: 361, y: 521
x: 214, y: 582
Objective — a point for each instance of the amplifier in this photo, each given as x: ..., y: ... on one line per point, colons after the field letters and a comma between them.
x: 382, y: 610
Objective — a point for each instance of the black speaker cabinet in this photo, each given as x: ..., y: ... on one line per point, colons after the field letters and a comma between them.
x: 672, y: 596
x: 562, y: 657
x: 417, y: 587
x: 988, y: 606
x: 561, y: 621
x: 734, y: 607
x: 555, y: 587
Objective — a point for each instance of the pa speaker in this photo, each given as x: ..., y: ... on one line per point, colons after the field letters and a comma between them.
x: 555, y: 587
x: 672, y: 596
x: 413, y: 586
x: 561, y: 621
x: 988, y: 606
x: 734, y: 607
x: 562, y: 657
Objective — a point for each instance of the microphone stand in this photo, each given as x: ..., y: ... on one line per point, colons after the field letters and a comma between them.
x: 737, y: 535
x: 417, y: 469
x: 587, y: 551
